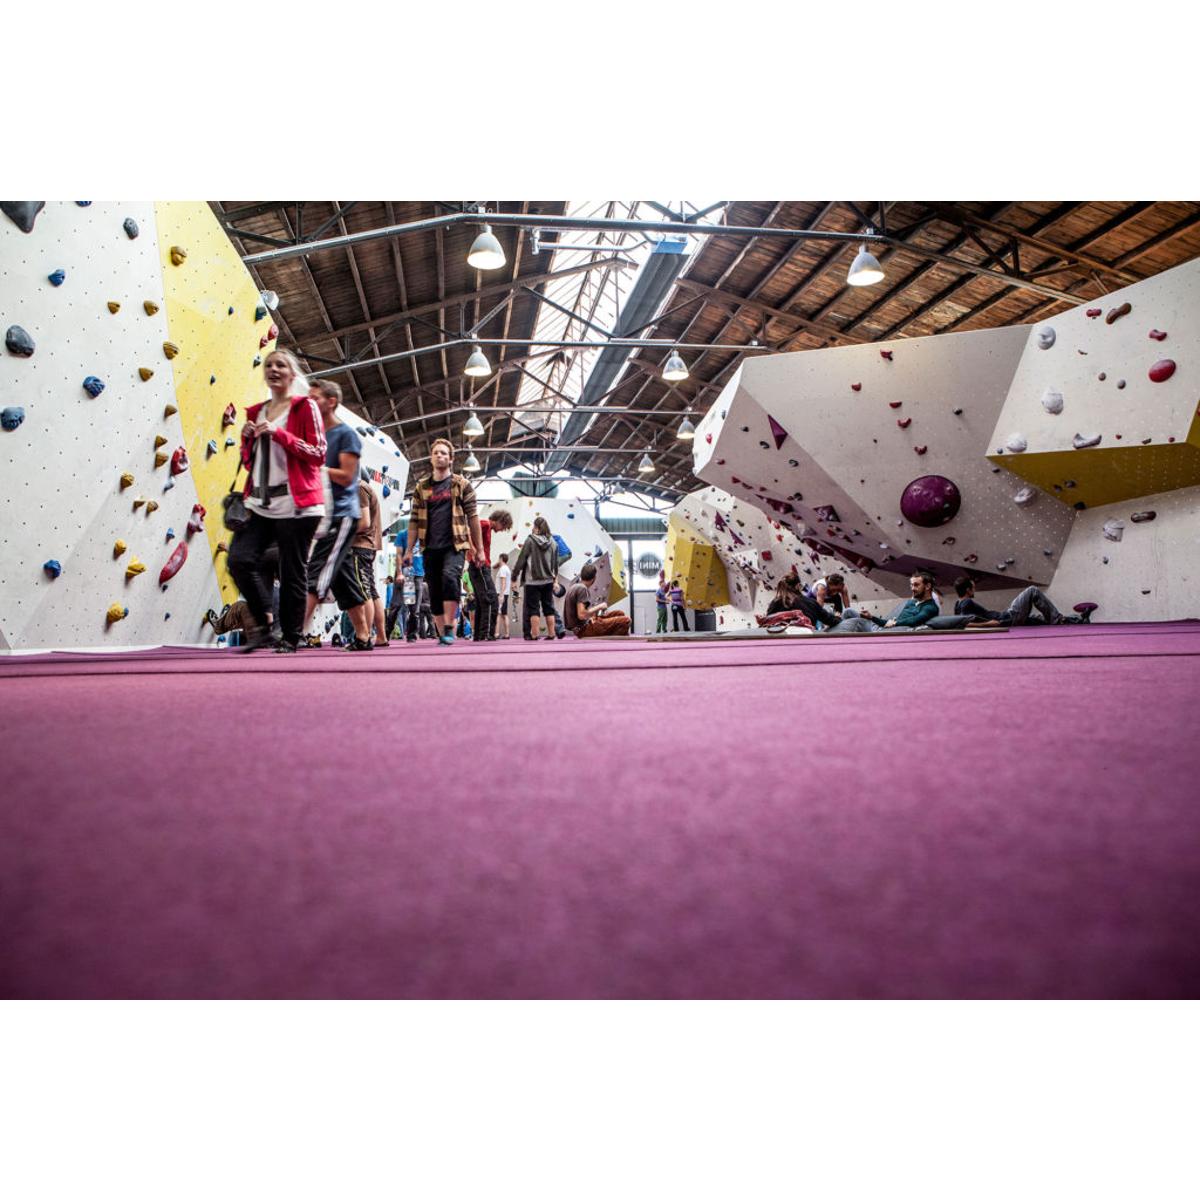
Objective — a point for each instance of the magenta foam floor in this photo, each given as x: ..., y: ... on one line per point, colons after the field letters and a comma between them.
x: 1008, y: 815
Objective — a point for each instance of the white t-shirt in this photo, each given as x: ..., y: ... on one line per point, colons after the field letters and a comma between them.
x: 282, y: 505
x: 504, y: 579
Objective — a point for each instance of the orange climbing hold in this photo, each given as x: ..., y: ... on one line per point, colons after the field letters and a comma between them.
x: 150, y: 307
x: 170, y: 349
x: 113, y: 306
x: 145, y: 373
x: 126, y: 480
x: 116, y: 612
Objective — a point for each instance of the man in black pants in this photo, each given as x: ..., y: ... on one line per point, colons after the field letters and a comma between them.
x: 445, y: 521
x: 484, y: 620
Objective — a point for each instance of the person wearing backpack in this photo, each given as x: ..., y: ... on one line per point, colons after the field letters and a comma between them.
x: 539, y: 560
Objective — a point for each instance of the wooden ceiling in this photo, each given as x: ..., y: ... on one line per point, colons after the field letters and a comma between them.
x: 950, y: 266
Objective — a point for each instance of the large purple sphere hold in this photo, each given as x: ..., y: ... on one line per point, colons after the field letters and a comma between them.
x: 930, y: 501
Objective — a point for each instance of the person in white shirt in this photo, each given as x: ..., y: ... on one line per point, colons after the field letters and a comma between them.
x: 503, y: 591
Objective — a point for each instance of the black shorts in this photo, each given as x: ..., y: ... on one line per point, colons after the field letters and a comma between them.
x: 331, y: 566
x: 504, y: 606
x: 443, y: 576
x: 364, y: 562
x: 539, y: 598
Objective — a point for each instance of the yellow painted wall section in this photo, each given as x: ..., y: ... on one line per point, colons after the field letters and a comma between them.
x: 213, y: 343
x: 616, y: 590
x: 698, y: 567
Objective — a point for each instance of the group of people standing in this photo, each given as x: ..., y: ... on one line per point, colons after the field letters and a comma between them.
x: 314, y: 526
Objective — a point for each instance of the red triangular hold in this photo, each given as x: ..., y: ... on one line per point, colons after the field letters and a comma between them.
x: 777, y: 432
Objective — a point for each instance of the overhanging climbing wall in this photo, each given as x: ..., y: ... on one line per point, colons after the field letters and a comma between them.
x: 131, y: 327
x: 754, y: 551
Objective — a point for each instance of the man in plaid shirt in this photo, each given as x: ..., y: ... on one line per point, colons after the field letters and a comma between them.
x: 445, y: 521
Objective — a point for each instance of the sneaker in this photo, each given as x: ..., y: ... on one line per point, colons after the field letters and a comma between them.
x: 255, y: 639
x: 358, y: 644
x: 447, y: 639
x: 285, y: 648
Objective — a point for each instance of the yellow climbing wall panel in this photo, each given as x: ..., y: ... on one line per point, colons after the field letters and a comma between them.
x: 217, y: 348
x: 697, y: 566
x: 1110, y: 474
x: 616, y: 589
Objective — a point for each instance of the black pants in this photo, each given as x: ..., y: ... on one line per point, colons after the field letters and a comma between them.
x: 249, y: 568
x: 443, y: 575
x: 677, y: 615
x: 484, y: 620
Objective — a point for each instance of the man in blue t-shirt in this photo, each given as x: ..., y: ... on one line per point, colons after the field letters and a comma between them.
x: 331, y: 566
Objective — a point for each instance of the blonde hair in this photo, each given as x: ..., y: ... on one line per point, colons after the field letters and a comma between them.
x: 300, y: 383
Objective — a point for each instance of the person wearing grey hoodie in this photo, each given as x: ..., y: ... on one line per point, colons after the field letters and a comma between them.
x: 539, y: 561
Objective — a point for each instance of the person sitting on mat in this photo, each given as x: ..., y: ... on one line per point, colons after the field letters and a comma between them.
x: 831, y: 593
x: 920, y: 609
x: 584, y: 620
x: 791, y: 597
x: 1019, y: 612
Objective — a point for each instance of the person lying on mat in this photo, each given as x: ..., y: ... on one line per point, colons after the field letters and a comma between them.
x: 590, y: 620
x: 1019, y: 612
x: 919, y: 609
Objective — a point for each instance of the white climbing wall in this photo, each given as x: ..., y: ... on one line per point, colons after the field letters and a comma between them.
x: 60, y: 494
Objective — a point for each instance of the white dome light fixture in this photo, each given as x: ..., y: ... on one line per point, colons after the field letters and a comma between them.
x: 674, y: 369
x: 477, y: 364
x: 647, y: 464
x: 865, y: 269
x: 472, y: 464
x: 473, y: 428
x: 486, y: 253
x: 686, y: 430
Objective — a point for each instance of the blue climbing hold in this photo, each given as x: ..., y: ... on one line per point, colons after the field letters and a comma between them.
x: 387, y: 491
x: 570, y: 516
x: 212, y: 446
x: 18, y: 342
x: 231, y: 310
x: 11, y: 418
x: 170, y: 534
x: 57, y: 277
x: 260, y: 312
x: 52, y: 567
x: 84, y: 203
x: 93, y: 385
x: 131, y: 228
x: 166, y: 616
x: 211, y: 380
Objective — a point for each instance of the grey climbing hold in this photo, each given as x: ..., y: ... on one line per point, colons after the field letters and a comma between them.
x: 1025, y: 496
x: 260, y: 312
x: 212, y: 446
x: 1114, y: 530
x: 1016, y: 444
x: 1139, y: 517
x: 22, y: 213
x: 131, y: 228
x: 11, y: 418
x: 18, y: 342
x: 56, y: 277
x: 229, y: 441
x: 1052, y: 401
x: 1045, y: 337
x: 93, y: 385
x: 169, y: 484
x: 1084, y: 441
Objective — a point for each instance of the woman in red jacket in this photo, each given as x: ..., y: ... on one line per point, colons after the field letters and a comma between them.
x: 283, y: 448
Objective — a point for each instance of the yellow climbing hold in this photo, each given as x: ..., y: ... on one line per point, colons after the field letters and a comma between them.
x: 134, y: 568
x: 145, y: 373
x: 119, y: 548
x: 170, y: 349
x: 170, y: 410
x: 116, y: 612
x: 178, y: 254
x: 150, y: 307
x: 138, y: 503
x: 159, y: 440
x: 113, y: 307
x: 151, y: 506
x: 160, y: 458
x: 126, y: 480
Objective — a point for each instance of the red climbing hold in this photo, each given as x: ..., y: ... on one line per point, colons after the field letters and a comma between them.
x: 179, y: 461
x: 229, y: 416
x: 1094, y: 312
x: 886, y: 354
x: 1158, y: 335
x: 1162, y: 370
x: 895, y: 403
x: 920, y: 449
x: 765, y: 556
x: 273, y: 333
x: 177, y: 559
x: 708, y: 438
x: 856, y: 387
x: 777, y: 432
x: 904, y: 422
x: 196, y: 520
x: 1115, y: 314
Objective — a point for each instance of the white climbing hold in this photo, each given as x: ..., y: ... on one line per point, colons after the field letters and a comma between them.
x: 1016, y: 444
x: 1025, y: 496
x: 1084, y: 441
x: 1045, y: 337
x: 1114, y: 530
x: 1052, y: 401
